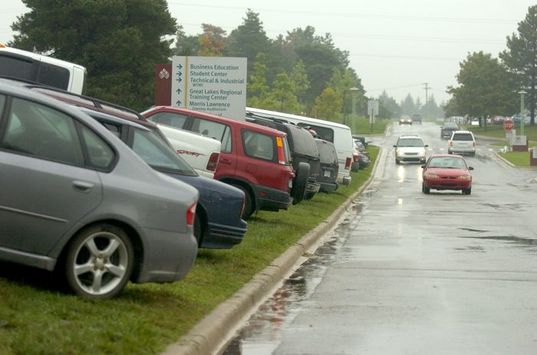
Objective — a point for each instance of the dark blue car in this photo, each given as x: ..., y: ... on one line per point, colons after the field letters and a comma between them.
x: 218, y: 222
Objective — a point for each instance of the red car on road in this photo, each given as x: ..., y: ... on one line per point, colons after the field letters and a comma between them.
x: 447, y: 172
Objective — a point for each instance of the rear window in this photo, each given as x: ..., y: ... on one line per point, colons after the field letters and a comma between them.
x: 53, y: 75
x: 303, y: 141
x: 327, y: 152
x: 468, y: 137
x: 258, y: 145
x: 322, y: 132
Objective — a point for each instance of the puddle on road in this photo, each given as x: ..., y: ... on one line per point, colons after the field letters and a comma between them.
x: 262, y: 334
x: 524, y: 242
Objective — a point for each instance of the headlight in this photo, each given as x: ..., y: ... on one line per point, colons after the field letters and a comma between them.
x: 431, y: 176
x: 465, y: 177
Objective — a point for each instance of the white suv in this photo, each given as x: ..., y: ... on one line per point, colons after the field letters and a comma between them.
x: 462, y: 142
x: 410, y: 149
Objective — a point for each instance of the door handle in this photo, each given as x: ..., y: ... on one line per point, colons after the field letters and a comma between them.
x: 82, y: 186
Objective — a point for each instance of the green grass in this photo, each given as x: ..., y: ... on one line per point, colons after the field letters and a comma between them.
x: 517, y: 158
x: 38, y: 318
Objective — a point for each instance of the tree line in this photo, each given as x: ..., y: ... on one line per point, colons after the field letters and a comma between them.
x: 489, y: 86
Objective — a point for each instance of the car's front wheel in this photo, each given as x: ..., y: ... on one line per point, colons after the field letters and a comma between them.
x: 99, y: 262
x: 425, y: 189
x: 467, y: 191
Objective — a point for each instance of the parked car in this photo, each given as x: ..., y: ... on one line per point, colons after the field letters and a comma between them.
x: 254, y: 158
x: 405, y: 120
x: 77, y: 200
x: 202, y: 153
x: 336, y: 133
x: 304, y: 155
x: 218, y: 222
x: 19, y: 64
x: 329, y: 165
x: 361, y: 139
x: 447, y: 172
x: 363, y: 160
x: 447, y: 129
x: 462, y: 142
x: 410, y: 148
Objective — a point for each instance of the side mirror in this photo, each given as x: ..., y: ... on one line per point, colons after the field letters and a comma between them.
x: 395, y: 146
x: 426, y: 145
x: 470, y: 168
x: 423, y: 166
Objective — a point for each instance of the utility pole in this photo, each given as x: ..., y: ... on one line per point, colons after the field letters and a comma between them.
x: 427, y: 88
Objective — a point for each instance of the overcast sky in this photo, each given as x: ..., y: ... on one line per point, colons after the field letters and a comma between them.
x: 394, y: 45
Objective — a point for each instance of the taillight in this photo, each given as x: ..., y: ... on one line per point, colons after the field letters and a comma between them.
x: 281, y: 153
x: 191, y: 214
x: 348, y: 163
x: 213, y: 161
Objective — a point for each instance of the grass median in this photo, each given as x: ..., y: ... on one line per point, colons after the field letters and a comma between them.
x: 37, y: 318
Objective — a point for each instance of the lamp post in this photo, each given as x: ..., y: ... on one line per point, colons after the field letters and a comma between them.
x: 522, y: 93
x: 352, y: 91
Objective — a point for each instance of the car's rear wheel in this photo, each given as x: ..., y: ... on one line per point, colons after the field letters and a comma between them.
x: 425, y: 189
x: 99, y: 262
x: 249, y: 207
x: 300, y: 182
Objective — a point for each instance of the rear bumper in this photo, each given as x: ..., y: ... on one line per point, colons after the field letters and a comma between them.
x: 268, y: 199
x: 328, y: 186
x: 220, y: 236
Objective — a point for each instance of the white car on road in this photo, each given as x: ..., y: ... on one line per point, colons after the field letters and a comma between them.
x: 410, y: 149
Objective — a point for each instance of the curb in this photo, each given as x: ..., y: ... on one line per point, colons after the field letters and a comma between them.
x: 209, y: 335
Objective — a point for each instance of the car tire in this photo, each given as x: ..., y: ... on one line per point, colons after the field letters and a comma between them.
x: 397, y: 162
x: 299, y: 184
x: 99, y: 262
x: 249, y: 207
x: 425, y: 189
x: 467, y: 191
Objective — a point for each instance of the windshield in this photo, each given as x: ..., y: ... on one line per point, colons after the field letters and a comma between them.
x: 158, y: 155
x: 410, y: 142
x: 447, y: 163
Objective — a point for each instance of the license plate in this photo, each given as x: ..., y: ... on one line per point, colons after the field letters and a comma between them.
x: 327, y: 173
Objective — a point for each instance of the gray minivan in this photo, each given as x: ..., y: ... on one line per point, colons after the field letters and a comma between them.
x: 75, y: 199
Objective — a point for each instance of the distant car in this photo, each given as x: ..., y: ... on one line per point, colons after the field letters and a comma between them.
x: 75, y: 199
x: 462, y: 142
x: 410, y: 149
x: 447, y: 129
x: 416, y: 118
x: 405, y: 120
x: 447, y: 172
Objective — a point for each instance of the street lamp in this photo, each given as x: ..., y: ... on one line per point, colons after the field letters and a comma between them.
x: 522, y: 93
x: 352, y: 91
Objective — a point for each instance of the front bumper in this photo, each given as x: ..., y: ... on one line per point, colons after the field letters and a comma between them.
x: 222, y: 236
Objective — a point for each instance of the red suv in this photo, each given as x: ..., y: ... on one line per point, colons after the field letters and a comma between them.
x: 254, y: 158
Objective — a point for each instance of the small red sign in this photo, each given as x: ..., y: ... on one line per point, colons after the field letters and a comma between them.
x: 508, y: 125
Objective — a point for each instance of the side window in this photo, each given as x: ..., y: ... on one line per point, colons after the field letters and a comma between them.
x: 53, y: 75
x: 2, y: 104
x: 208, y: 128
x: 100, y: 155
x: 16, y: 67
x: 322, y: 132
x: 169, y: 119
x: 258, y: 145
x: 115, y: 129
x: 37, y: 130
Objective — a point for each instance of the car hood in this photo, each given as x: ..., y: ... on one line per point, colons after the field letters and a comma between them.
x: 447, y: 172
x: 411, y: 149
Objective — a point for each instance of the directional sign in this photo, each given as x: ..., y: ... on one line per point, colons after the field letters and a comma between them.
x: 215, y: 85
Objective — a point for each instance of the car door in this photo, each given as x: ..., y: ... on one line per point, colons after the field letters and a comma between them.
x: 45, y: 188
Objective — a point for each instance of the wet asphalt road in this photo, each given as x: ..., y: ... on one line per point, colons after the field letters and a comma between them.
x: 409, y: 273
